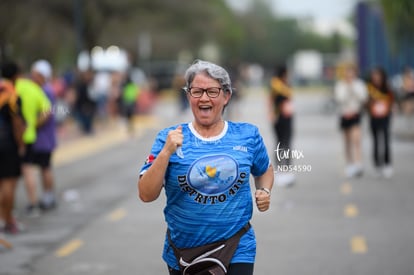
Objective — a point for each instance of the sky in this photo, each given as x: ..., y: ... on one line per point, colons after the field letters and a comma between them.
x: 328, y: 14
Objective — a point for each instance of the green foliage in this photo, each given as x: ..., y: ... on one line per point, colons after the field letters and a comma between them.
x: 48, y: 29
x: 399, y: 16
x: 271, y: 39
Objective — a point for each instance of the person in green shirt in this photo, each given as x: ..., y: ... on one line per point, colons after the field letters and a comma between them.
x: 130, y: 93
x: 35, y: 107
x: 36, y: 110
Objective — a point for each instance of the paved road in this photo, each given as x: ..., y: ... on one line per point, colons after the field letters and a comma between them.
x: 325, y: 224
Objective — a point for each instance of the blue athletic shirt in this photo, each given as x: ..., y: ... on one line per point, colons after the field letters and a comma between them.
x: 208, y: 190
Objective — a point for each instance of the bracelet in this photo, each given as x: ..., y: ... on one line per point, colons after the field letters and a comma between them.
x: 265, y: 189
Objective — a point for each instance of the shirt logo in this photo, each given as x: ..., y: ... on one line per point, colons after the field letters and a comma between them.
x: 240, y: 148
x: 150, y: 159
x: 213, y: 175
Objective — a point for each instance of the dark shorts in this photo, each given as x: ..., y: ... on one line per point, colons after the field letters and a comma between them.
x: 346, y: 123
x: 129, y: 110
x: 10, y: 164
x: 41, y: 159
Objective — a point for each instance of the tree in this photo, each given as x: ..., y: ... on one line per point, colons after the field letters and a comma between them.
x: 399, y: 16
x: 57, y: 30
x: 46, y: 27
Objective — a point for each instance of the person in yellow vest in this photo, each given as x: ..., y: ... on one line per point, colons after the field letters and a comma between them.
x: 36, y: 109
x: 281, y: 115
x: 380, y: 104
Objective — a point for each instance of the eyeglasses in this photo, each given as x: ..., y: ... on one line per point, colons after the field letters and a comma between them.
x: 211, y: 92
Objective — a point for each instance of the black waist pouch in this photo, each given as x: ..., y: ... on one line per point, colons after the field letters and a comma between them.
x: 209, y: 259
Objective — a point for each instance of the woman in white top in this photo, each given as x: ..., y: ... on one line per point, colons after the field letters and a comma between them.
x: 351, y: 95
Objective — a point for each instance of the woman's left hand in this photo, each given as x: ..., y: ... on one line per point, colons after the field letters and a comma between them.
x: 262, y: 200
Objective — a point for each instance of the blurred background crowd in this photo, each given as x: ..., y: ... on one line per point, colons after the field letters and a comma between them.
x: 112, y: 60
x: 108, y: 44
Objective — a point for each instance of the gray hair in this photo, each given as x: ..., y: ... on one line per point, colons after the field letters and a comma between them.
x: 212, y: 70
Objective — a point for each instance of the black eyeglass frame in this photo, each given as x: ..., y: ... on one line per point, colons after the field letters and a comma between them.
x: 207, y: 90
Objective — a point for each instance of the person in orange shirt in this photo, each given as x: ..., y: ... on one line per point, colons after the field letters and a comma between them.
x: 281, y: 115
x: 380, y: 104
x: 11, y: 147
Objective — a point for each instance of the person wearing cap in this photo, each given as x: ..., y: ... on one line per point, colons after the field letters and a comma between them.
x: 36, y: 109
x: 11, y: 148
x: 205, y: 167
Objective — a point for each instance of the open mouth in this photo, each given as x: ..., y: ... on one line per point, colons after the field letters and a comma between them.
x: 205, y: 109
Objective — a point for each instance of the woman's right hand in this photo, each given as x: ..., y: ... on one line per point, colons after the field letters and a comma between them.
x: 174, y: 140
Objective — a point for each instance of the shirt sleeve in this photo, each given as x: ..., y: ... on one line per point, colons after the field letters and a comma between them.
x: 261, y: 159
x: 363, y: 92
x: 339, y: 92
x: 155, y: 150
